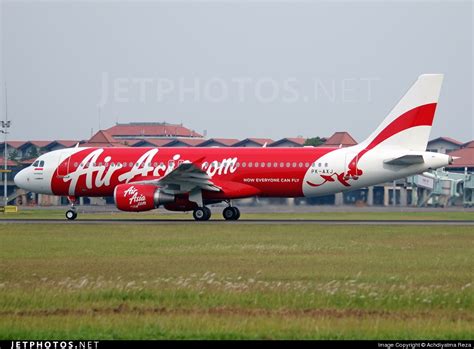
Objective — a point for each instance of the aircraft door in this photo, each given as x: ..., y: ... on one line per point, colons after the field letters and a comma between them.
x: 63, y: 164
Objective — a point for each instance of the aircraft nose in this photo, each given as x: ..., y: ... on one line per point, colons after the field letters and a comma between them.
x: 21, y: 179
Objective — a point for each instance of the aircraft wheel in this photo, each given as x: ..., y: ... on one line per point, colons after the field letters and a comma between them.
x: 71, y: 215
x: 231, y: 213
x: 202, y: 214
x: 237, y: 212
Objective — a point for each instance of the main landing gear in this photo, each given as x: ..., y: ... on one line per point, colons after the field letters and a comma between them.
x: 71, y: 214
x: 202, y: 213
x: 230, y: 213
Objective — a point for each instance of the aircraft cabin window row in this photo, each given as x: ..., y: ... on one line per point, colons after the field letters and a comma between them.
x: 171, y: 163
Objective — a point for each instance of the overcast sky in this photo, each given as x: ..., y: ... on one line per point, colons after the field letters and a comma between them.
x: 235, y: 69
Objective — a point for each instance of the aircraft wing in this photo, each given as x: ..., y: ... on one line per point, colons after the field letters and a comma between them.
x: 183, y: 179
x: 406, y: 160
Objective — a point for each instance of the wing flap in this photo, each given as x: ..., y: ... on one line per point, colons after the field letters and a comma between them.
x: 185, y: 178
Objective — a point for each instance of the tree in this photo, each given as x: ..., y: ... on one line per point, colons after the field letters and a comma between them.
x: 315, y: 141
x: 13, y: 155
x: 33, y: 153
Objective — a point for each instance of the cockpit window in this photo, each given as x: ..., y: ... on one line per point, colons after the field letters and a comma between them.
x: 38, y: 163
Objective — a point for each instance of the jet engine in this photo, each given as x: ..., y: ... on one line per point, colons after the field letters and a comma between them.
x: 140, y: 197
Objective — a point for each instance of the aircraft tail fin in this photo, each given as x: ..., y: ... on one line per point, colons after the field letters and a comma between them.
x: 408, y: 125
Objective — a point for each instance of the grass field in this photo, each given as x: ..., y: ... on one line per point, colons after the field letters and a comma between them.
x: 217, y: 215
x: 236, y: 281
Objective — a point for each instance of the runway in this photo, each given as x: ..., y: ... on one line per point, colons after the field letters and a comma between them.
x: 243, y: 221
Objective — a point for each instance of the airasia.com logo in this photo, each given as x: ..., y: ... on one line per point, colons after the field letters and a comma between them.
x: 135, y: 199
x: 100, y: 173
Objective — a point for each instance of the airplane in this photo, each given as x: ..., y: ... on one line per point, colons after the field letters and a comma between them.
x: 190, y: 179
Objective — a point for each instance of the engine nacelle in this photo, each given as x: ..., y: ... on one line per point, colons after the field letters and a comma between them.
x: 140, y: 197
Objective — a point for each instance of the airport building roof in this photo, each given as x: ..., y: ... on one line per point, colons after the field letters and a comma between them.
x: 289, y: 142
x: 150, y: 130
x: 445, y: 139
x: 253, y: 142
x: 465, y: 156
x: 219, y: 142
x: 102, y: 139
x: 338, y: 139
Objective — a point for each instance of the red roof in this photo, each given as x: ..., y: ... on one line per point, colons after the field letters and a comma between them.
x: 102, y: 139
x: 188, y: 141
x: 339, y: 138
x: 446, y: 139
x: 296, y: 140
x: 228, y: 142
x: 156, y: 142
x: 131, y: 142
x: 67, y: 143
x: 10, y: 163
x: 27, y: 161
x: 40, y: 144
x: 468, y: 145
x: 260, y: 141
x: 101, y: 145
x: 16, y: 144
x: 466, y: 156
x: 151, y: 130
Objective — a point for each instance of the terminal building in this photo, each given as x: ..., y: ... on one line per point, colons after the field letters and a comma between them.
x: 453, y: 185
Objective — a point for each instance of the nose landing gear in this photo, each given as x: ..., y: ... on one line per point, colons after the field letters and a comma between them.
x: 71, y: 214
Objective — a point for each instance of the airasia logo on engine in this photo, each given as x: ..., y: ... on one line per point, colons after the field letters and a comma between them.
x: 135, y: 199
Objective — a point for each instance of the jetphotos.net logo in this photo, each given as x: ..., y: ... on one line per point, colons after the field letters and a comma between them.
x: 240, y: 89
x: 43, y: 344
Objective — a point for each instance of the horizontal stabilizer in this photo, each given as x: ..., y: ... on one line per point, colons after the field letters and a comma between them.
x: 406, y: 160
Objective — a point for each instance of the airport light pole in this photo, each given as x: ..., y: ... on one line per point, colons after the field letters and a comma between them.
x: 5, y: 126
